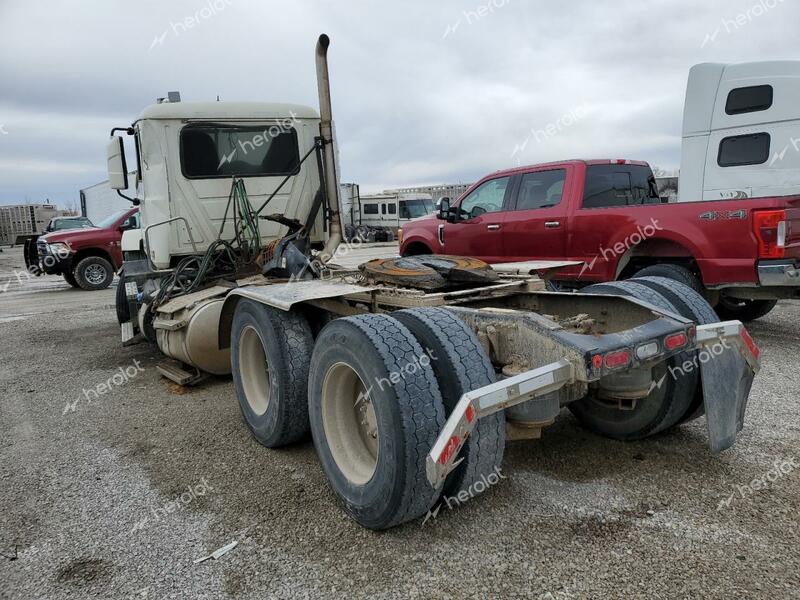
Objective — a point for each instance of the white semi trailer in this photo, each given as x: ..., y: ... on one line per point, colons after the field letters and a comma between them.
x: 409, y: 373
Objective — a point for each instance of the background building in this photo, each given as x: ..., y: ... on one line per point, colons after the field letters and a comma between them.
x: 451, y: 191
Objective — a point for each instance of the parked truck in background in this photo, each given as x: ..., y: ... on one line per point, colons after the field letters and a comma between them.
x: 99, y: 201
x: 231, y: 272
x: 741, y: 132
x: 87, y: 257
x: 741, y: 254
x: 734, y: 235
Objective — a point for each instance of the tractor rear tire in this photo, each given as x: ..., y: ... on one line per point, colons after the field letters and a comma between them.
x: 270, y: 357
x: 460, y: 365
x: 375, y: 411
x: 669, y: 399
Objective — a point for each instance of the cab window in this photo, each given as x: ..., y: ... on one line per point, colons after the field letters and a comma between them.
x: 542, y: 189
x: 487, y: 197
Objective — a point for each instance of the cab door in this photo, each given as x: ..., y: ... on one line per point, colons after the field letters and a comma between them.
x: 536, y: 225
x: 478, y: 230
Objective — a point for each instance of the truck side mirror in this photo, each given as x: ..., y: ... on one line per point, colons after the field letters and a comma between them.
x: 444, y: 209
x: 117, y: 169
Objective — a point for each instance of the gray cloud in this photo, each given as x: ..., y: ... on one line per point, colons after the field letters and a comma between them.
x: 414, y: 101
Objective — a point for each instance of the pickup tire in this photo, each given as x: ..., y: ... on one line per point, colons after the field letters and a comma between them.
x: 693, y: 306
x: 676, y: 272
x: 744, y: 310
x: 460, y: 365
x: 121, y: 301
x: 668, y: 401
x: 94, y: 273
x: 375, y: 413
x: 70, y: 279
x: 270, y: 356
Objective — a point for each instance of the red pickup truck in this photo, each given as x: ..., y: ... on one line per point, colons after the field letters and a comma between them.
x: 742, y: 254
x: 88, y: 257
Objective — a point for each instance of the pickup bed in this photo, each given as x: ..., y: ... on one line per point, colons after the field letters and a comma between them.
x: 742, y: 254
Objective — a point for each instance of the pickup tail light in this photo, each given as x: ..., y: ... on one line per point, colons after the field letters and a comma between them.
x: 770, y: 229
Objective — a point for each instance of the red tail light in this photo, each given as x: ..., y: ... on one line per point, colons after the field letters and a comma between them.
x: 770, y: 229
x: 615, y: 360
x: 677, y: 340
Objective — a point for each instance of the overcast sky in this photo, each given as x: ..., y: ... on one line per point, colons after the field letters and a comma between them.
x: 424, y: 91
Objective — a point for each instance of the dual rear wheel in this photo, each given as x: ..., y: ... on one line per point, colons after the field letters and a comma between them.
x: 374, y: 391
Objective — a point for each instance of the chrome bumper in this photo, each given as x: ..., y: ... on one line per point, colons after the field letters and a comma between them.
x: 778, y: 273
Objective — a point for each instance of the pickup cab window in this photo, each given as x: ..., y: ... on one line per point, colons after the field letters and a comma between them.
x: 541, y: 189
x: 619, y: 185
x: 487, y: 197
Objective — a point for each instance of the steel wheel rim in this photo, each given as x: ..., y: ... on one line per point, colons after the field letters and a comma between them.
x: 95, y: 274
x: 254, y: 370
x: 350, y: 423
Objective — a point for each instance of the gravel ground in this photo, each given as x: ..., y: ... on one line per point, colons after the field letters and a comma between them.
x: 116, y: 496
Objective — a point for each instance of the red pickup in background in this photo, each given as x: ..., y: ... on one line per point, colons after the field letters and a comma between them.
x: 743, y: 254
x: 87, y: 258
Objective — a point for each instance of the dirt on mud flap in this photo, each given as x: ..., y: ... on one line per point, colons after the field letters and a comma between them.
x: 430, y: 272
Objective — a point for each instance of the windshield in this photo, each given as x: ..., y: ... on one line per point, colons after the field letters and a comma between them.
x: 110, y: 220
x: 62, y: 224
x: 418, y: 207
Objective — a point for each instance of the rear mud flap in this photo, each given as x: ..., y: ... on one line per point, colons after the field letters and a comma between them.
x: 726, y: 378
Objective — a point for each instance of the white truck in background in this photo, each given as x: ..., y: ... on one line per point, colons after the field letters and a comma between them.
x: 100, y: 200
x: 378, y: 217
x: 741, y: 131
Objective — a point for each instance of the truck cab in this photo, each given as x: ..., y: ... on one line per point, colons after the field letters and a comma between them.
x: 741, y: 131
x: 187, y: 154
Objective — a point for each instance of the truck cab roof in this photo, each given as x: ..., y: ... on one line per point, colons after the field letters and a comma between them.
x: 240, y: 111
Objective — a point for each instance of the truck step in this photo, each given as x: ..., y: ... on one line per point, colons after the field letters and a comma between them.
x: 180, y: 373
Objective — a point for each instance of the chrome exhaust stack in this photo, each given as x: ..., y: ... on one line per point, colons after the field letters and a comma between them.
x: 329, y: 152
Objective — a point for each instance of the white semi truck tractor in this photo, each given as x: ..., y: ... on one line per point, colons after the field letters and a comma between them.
x: 409, y: 373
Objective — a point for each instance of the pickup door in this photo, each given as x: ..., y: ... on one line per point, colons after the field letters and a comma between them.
x: 536, y: 225
x: 479, y: 230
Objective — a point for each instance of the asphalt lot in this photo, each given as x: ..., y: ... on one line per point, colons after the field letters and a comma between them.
x: 111, y: 488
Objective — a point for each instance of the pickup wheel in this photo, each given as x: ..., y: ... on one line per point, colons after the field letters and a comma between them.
x: 744, y: 310
x: 94, y: 273
x: 669, y: 399
x: 375, y: 412
x: 676, y: 272
x: 70, y: 279
x: 460, y: 365
x: 270, y: 356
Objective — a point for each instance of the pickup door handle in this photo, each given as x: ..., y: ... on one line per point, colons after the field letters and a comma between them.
x: 552, y: 224
x: 493, y: 227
